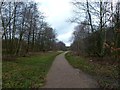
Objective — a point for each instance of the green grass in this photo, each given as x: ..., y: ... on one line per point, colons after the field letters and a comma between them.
x: 106, y: 75
x: 27, y: 72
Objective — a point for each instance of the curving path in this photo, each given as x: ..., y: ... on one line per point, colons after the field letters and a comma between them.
x: 63, y: 75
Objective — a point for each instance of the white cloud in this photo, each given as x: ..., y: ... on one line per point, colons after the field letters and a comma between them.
x: 57, y: 12
x: 67, y: 36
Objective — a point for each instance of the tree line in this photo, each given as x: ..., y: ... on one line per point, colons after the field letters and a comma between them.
x: 25, y: 29
x: 98, y: 29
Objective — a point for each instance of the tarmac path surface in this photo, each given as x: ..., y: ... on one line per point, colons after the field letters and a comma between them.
x: 63, y: 75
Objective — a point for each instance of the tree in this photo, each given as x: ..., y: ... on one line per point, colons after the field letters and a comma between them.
x: 61, y: 46
x: 25, y: 29
x: 97, y: 16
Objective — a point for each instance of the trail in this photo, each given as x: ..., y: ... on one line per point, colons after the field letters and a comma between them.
x: 63, y: 75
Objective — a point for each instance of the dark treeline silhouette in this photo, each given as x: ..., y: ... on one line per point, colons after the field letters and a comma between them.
x: 61, y: 46
x: 25, y: 29
x: 98, y: 32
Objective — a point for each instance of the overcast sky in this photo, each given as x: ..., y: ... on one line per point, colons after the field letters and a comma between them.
x: 57, y: 13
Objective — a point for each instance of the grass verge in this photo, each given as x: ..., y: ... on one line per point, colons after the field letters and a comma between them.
x: 106, y: 75
x: 27, y: 72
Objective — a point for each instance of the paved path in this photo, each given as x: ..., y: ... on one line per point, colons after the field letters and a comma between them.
x: 63, y: 75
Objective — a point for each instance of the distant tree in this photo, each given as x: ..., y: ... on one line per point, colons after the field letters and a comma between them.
x: 61, y: 46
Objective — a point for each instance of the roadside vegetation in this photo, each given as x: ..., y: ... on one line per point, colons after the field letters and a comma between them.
x: 25, y: 29
x: 96, y: 40
x: 105, y: 74
x: 29, y: 44
x: 27, y: 72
